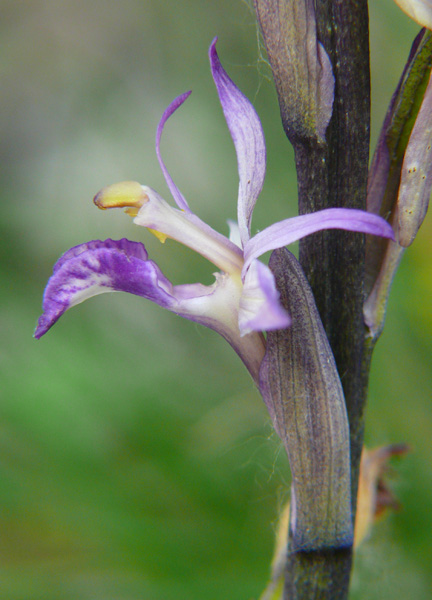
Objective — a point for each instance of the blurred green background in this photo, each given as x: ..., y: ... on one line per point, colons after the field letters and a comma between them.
x: 136, y: 458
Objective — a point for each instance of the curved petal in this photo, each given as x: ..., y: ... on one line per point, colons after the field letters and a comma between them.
x: 291, y: 230
x: 98, y: 267
x: 248, y: 137
x: 111, y: 266
x: 188, y: 229
x: 176, y: 193
x: 260, y: 309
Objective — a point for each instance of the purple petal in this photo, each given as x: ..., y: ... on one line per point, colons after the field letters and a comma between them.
x: 248, y: 137
x: 108, y: 266
x: 176, y: 193
x: 291, y: 230
x: 124, y: 245
x: 97, y: 267
x: 188, y: 229
x: 260, y: 309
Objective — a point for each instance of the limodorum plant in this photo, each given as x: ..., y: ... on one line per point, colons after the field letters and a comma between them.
x: 304, y: 329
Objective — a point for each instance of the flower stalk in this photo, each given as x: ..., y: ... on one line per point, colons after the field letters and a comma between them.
x: 334, y: 173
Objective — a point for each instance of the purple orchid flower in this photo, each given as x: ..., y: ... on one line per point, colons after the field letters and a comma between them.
x: 243, y: 301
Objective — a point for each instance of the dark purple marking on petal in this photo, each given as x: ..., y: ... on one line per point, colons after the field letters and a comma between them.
x: 98, y: 267
x: 176, y: 193
x: 124, y: 245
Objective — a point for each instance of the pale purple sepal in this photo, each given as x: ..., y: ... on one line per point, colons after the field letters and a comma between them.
x: 176, y: 193
x: 260, y: 307
x: 416, y: 178
x: 98, y: 267
x: 248, y: 137
x: 291, y: 230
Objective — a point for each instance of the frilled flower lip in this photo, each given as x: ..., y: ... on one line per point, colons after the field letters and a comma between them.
x: 243, y: 301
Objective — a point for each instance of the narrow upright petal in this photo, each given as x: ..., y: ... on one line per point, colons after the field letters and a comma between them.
x: 248, y: 137
x: 176, y: 193
x: 290, y: 230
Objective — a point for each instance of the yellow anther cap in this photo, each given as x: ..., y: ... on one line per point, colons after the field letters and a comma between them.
x: 126, y: 194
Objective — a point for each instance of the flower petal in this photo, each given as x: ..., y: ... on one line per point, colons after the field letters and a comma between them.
x: 217, y: 307
x: 248, y: 137
x: 234, y: 233
x: 419, y: 10
x: 260, y: 309
x: 111, y: 266
x: 176, y: 193
x: 98, y: 267
x: 188, y: 229
x: 290, y: 230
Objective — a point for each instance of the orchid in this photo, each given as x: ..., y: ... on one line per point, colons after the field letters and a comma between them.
x: 243, y: 301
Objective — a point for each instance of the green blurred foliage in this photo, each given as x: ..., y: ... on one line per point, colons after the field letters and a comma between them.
x: 136, y: 457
